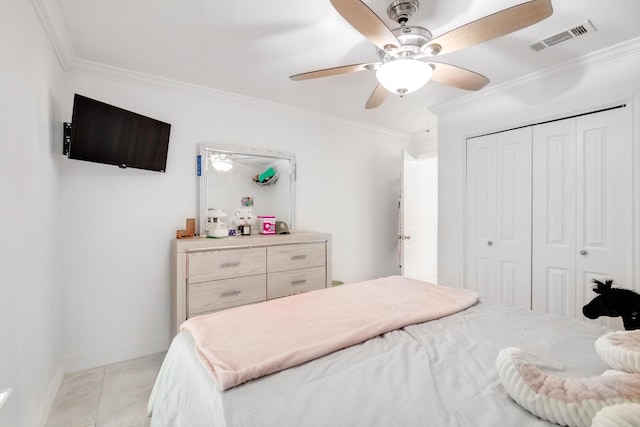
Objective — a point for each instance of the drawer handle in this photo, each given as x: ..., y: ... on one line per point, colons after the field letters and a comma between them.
x: 298, y: 282
x: 295, y: 257
x: 230, y: 264
x: 230, y: 293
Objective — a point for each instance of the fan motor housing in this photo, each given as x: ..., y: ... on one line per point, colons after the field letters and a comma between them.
x: 412, y: 37
x: 412, y: 41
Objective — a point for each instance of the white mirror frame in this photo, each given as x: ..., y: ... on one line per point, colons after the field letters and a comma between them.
x: 203, y: 178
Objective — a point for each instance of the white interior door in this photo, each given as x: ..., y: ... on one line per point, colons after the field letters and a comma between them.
x: 604, y: 197
x: 481, y: 216
x: 554, y: 217
x: 409, y: 214
x: 582, y: 209
x: 499, y: 217
x: 418, y: 232
x: 513, y: 216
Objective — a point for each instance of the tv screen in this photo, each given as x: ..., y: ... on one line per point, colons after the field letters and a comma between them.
x: 103, y: 133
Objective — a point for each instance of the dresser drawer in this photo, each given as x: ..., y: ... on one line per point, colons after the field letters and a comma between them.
x: 291, y: 282
x: 210, y: 296
x: 290, y: 257
x: 225, y: 263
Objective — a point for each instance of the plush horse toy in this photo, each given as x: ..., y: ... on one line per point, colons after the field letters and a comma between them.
x: 614, y: 302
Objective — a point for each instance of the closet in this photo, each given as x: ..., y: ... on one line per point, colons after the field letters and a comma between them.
x: 542, y: 223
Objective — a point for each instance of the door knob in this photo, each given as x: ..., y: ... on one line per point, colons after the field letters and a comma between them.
x: 489, y: 242
x: 583, y: 252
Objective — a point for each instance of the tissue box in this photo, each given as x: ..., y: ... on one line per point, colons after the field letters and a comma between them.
x: 267, y: 224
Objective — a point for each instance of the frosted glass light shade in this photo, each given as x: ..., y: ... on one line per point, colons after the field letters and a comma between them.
x: 220, y: 162
x: 222, y: 165
x: 403, y: 76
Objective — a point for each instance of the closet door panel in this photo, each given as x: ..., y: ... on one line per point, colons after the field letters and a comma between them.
x: 557, y: 291
x: 553, y: 238
x: 510, y: 291
x: 498, y: 257
x: 603, y: 202
x: 484, y: 279
x: 481, y: 218
x: 513, y: 197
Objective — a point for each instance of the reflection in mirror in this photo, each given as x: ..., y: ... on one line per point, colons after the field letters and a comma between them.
x: 244, y: 183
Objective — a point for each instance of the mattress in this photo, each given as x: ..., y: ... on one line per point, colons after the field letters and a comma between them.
x: 437, y: 373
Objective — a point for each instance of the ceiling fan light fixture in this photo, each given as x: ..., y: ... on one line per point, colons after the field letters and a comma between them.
x: 221, y: 162
x: 403, y: 76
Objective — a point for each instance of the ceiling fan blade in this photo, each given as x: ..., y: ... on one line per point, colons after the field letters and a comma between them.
x: 493, y: 26
x: 366, y: 22
x: 457, y: 77
x: 377, y: 97
x: 333, y: 71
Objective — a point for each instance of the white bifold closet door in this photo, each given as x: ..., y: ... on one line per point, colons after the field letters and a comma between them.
x: 498, y: 258
x: 581, y: 209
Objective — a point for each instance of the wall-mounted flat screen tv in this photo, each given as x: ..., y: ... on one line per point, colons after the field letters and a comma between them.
x: 103, y: 133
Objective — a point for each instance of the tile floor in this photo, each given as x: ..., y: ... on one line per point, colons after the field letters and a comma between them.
x: 109, y: 396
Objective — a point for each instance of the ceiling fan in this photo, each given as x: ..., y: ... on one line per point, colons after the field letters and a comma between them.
x: 405, y: 53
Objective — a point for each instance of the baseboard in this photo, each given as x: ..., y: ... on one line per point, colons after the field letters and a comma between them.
x: 52, y: 392
x: 88, y: 361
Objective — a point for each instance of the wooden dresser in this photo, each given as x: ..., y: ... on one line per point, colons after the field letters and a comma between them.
x: 213, y: 274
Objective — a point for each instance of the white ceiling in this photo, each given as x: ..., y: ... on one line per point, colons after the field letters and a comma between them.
x: 251, y: 47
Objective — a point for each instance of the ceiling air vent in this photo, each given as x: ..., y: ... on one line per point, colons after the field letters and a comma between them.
x: 579, y: 30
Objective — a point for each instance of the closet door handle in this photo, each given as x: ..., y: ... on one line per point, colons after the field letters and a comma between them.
x: 583, y: 252
x: 489, y: 242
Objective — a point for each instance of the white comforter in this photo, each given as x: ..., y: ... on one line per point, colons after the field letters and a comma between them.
x: 438, y: 374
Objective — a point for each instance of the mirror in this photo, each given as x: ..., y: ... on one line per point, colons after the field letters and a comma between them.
x: 233, y: 178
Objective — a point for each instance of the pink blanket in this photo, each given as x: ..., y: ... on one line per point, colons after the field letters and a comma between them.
x: 250, y: 341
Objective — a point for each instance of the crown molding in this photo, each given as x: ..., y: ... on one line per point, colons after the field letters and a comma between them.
x: 53, y: 25
x: 539, y: 78
x: 56, y: 30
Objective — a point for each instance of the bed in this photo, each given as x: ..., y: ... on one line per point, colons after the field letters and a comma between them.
x: 440, y: 372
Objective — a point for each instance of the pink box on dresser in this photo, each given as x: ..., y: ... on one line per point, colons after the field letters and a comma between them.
x: 267, y: 224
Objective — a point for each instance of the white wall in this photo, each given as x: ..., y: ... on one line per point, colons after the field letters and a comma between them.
x: 426, y: 142
x: 31, y: 337
x: 599, y: 80
x: 118, y: 223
